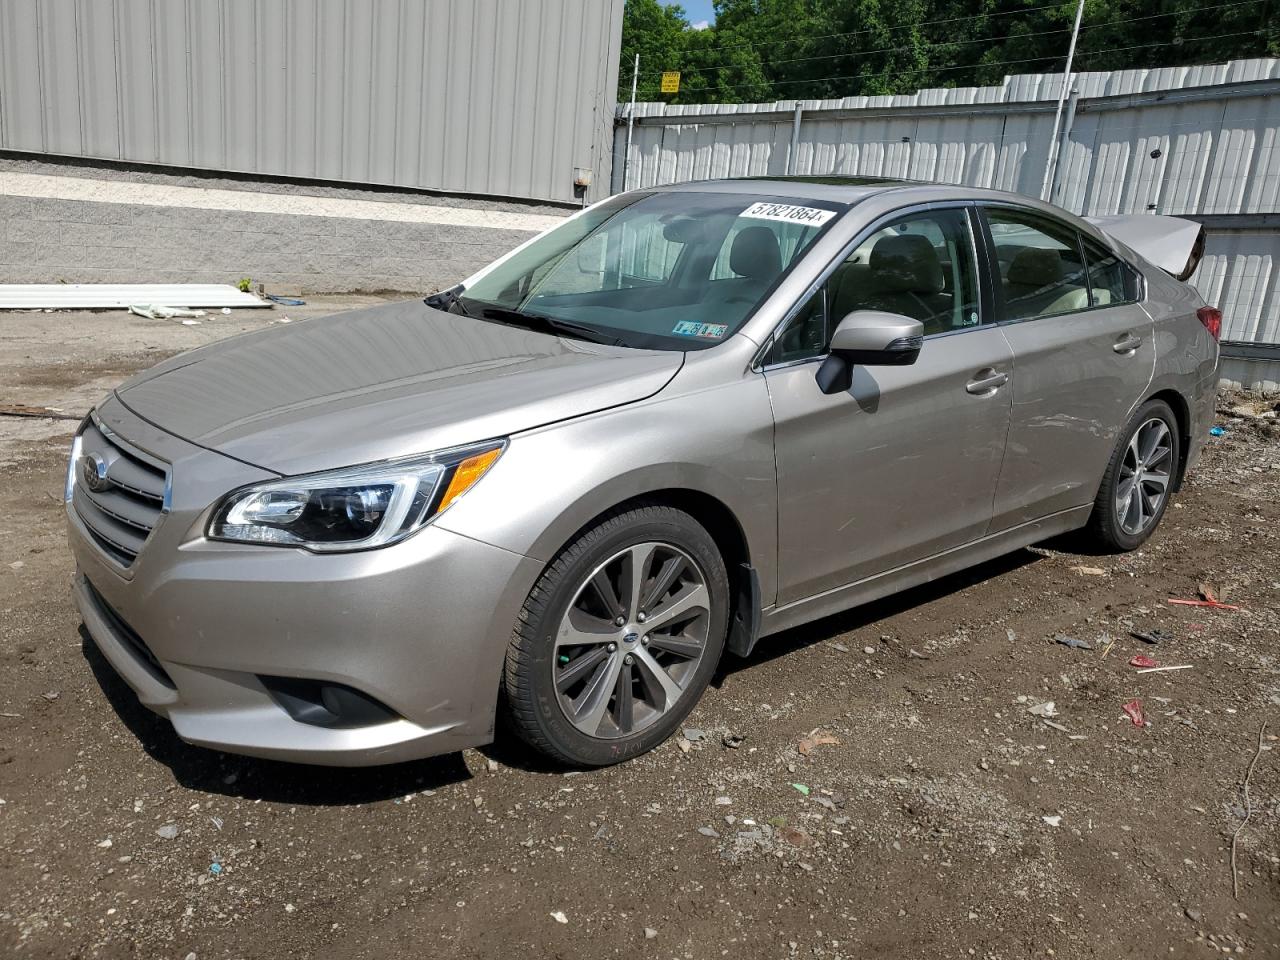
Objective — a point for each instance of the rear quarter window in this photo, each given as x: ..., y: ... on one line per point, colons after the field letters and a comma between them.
x: 1111, y: 280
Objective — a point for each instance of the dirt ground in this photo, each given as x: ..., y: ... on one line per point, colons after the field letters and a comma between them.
x: 942, y: 820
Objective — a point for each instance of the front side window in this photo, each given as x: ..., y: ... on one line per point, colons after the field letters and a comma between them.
x: 1040, y: 268
x: 922, y: 266
x: 670, y: 271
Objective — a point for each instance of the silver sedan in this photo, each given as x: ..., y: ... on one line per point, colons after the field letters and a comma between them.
x: 681, y: 421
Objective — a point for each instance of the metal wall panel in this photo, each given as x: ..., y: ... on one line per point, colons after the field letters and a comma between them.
x: 1199, y: 141
x: 491, y: 97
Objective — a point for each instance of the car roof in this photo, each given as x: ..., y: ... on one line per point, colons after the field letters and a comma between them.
x: 852, y: 189
x: 836, y: 189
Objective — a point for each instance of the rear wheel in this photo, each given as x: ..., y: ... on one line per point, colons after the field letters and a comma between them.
x: 619, y: 638
x: 1139, y: 479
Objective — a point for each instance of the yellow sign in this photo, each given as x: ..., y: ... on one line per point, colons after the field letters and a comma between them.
x: 671, y: 81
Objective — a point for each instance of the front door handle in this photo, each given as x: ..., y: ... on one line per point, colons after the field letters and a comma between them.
x: 986, y: 382
x: 1127, y: 344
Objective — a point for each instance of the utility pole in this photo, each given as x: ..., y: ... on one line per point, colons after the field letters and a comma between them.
x: 631, y: 121
x: 1052, y: 160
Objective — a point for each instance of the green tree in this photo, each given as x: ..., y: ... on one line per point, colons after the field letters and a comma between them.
x: 762, y: 50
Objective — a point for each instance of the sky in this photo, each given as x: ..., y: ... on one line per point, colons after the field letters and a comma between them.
x: 700, y: 13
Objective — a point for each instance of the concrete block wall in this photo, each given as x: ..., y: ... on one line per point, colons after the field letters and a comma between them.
x: 50, y: 234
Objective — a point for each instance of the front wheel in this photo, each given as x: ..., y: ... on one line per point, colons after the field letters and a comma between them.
x: 619, y: 638
x: 1139, y: 479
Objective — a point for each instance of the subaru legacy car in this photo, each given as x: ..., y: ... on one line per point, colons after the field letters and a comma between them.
x: 685, y: 419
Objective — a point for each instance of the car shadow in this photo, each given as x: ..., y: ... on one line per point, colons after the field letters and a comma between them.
x: 199, y: 768
x: 827, y: 628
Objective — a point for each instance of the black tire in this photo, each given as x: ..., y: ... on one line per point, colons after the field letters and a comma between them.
x: 1105, y: 528
x: 532, y: 705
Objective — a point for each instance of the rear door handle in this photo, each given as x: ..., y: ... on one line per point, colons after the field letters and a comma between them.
x: 1127, y: 344
x: 987, y: 382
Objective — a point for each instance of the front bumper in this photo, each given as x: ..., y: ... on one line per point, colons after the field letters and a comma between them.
x: 193, y: 625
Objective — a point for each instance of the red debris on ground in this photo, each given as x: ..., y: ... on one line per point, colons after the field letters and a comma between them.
x: 1134, y: 709
x: 1211, y: 604
x: 1143, y: 661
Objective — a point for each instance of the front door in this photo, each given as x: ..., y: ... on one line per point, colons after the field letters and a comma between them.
x: 1083, y: 357
x: 905, y: 463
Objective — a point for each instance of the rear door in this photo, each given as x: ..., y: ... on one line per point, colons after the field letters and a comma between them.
x: 1083, y: 358
x: 904, y: 464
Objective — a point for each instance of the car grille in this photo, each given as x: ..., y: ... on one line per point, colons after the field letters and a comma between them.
x: 121, y: 516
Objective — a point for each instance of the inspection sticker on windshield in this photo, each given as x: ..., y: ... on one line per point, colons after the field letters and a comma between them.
x: 787, y: 213
x: 707, y: 331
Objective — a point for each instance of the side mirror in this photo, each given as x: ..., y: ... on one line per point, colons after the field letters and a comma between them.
x: 871, y: 338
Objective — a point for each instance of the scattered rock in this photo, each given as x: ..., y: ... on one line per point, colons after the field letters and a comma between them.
x: 795, y: 836
x: 693, y: 734
x: 559, y: 917
x: 709, y: 832
x: 1053, y: 821
x: 1073, y: 642
x: 650, y: 933
x: 169, y: 831
x: 814, y: 740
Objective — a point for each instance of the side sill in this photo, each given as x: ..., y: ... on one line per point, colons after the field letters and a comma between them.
x: 922, y: 571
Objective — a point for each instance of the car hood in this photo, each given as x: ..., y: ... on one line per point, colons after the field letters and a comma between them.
x: 388, y: 381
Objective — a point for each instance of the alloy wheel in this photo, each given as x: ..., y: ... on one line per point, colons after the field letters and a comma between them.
x: 631, y: 640
x: 1145, y: 472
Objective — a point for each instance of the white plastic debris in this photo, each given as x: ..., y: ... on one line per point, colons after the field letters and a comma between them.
x: 102, y: 296
x: 154, y: 311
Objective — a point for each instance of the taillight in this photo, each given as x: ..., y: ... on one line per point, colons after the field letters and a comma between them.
x: 1211, y: 317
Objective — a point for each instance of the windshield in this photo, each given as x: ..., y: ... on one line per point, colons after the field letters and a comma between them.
x: 671, y: 271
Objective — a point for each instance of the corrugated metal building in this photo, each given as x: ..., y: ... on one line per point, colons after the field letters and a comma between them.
x: 1201, y: 142
x: 507, y: 98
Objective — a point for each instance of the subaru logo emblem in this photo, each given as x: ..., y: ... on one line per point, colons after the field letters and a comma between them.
x: 93, y: 471
x: 631, y: 637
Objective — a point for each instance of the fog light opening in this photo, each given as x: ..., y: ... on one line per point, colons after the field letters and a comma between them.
x: 321, y: 703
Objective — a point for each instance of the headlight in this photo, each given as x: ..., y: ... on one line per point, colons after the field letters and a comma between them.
x: 356, y: 508
x: 69, y: 486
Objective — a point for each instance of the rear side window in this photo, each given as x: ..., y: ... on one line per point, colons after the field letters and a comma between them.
x: 1111, y: 280
x: 1041, y: 272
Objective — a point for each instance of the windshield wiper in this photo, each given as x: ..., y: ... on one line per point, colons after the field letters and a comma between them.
x: 538, y: 321
x: 445, y: 299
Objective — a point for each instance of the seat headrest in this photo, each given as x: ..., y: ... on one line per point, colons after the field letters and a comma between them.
x: 906, y: 263
x: 1035, y: 267
x: 755, y: 254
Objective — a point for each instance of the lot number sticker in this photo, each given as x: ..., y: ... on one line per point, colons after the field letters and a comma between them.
x: 787, y: 213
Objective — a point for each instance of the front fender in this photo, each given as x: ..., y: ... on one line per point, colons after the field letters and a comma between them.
x: 555, y: 480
